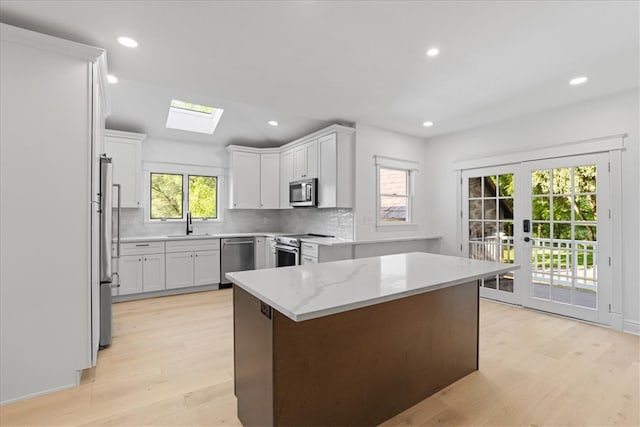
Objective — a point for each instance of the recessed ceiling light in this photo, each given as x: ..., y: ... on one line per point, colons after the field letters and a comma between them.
x: 434, y: 51
x: 272, y: 123
x: 427, y: 124
x: 578, y: 80
x: 112, y: 79
x: 127, y: 41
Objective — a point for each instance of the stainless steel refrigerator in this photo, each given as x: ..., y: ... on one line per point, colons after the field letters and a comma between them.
x: 108, y: 277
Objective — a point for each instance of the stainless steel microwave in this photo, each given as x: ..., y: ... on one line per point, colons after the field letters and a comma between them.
x: 304, y: 192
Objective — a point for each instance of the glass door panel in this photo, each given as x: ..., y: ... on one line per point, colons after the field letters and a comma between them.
x: 565, y: 214
x: 488, y: 218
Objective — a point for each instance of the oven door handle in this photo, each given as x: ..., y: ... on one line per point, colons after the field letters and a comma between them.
x: 290, y: 249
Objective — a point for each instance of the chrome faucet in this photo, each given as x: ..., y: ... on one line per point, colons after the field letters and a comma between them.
x: 189, y: 224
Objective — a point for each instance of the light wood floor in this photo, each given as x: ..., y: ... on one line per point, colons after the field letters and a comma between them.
x: 171, y: 364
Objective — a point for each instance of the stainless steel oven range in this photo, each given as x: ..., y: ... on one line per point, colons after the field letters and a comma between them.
x: 288, y: 248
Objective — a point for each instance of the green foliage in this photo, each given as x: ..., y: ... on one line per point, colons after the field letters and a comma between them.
x: 166, y: 196
x: 569, y: 194
x: 192, y: 107
x: 202, y: 196
x: 506, y: 185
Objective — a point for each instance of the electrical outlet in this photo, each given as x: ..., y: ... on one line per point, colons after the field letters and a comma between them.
x: 265, y: 309
x: 265, y: 220
x: 368, y: 220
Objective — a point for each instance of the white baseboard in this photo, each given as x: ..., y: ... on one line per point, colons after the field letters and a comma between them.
x: 632, y: 327
x: 40, y: 393
x: 616, y: 321
x: 165, y: 292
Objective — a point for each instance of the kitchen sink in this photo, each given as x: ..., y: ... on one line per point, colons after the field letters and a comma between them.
x: 182, y: 236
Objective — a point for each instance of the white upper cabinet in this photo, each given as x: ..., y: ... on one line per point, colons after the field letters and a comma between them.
x: 125, y: 148
x: 305, y: 161
x: 260, y: 177
x: 245, y: 180
x: 270, y: 181
x: 286, y: 176
x: 299, y: 162
x: 336, y: 175
x: 255, y: 178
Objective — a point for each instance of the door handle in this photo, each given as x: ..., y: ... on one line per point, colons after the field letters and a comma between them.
x: 527, y: 239
x: 119, y: 215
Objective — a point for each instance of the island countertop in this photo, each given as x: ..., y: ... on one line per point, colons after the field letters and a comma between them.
x: 315, y: 290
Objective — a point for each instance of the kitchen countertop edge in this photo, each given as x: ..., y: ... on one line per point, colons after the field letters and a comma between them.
x: 210, y: 236
x: 324, y: 241
x: 238, y: 280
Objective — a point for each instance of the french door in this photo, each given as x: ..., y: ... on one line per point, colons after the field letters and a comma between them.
x: 567, y: 236
x: 490, y: 218
x: 552, y: 218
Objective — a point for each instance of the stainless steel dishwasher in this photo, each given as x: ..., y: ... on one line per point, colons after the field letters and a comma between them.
x: 236, y: 255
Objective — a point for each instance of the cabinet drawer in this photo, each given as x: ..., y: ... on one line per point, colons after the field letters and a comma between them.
x: 310, y: 249
x: 139, y: 248
x: 309, y: 260
x: 193, y: 245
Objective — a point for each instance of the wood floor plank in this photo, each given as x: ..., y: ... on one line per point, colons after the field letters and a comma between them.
x: 171, y: 363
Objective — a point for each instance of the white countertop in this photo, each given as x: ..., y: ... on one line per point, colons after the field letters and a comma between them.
x: 326, y: 241
x: 396, y: 239
x: 334, y: 241
x: 197, y: 236
x: 314, y: 290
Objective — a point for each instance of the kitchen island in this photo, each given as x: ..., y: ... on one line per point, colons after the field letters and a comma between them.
x: 353, y: 342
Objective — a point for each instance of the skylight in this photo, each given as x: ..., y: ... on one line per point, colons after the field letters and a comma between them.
x: 193, y: 117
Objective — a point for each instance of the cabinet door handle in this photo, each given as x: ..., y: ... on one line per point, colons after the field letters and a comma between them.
x: 145, y: 244
x: 145, y: 259
x: 139, y: 259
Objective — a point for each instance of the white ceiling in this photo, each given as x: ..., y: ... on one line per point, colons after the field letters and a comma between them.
x: 308, y: 64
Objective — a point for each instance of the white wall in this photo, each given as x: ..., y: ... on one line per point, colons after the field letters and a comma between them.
x: 371, y: 141
x: 170, y: 151
x: 45, y: 281
x: 601, y: 117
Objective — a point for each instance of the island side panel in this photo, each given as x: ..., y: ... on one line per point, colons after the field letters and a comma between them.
x: 253, y: 360
x: 362, y: 367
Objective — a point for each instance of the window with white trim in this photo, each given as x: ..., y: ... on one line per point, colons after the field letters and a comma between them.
x: 394, y: 191
x: 172, y: 195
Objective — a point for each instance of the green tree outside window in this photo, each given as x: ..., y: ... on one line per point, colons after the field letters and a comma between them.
x: 166, y: 196
x: 167, y: 192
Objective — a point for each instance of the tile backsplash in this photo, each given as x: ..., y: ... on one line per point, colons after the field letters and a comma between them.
x: 335, y: 222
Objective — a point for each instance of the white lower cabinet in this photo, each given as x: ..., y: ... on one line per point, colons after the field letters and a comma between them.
x: 193, y: 263
x: 270, y: 252
x: 313, y: 253
x: 206, y: 267
x: 260, y: 260
x: 309, y: 260
x: 179, y: 270
x: 141, y: 267
x: 141, y: 273
x: 130, y: 274
x: 153, y: 272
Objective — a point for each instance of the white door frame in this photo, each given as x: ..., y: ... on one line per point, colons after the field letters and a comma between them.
x: 611, y: 144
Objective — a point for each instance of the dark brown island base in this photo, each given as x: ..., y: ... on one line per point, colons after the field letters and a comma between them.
x: 357, y: 367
